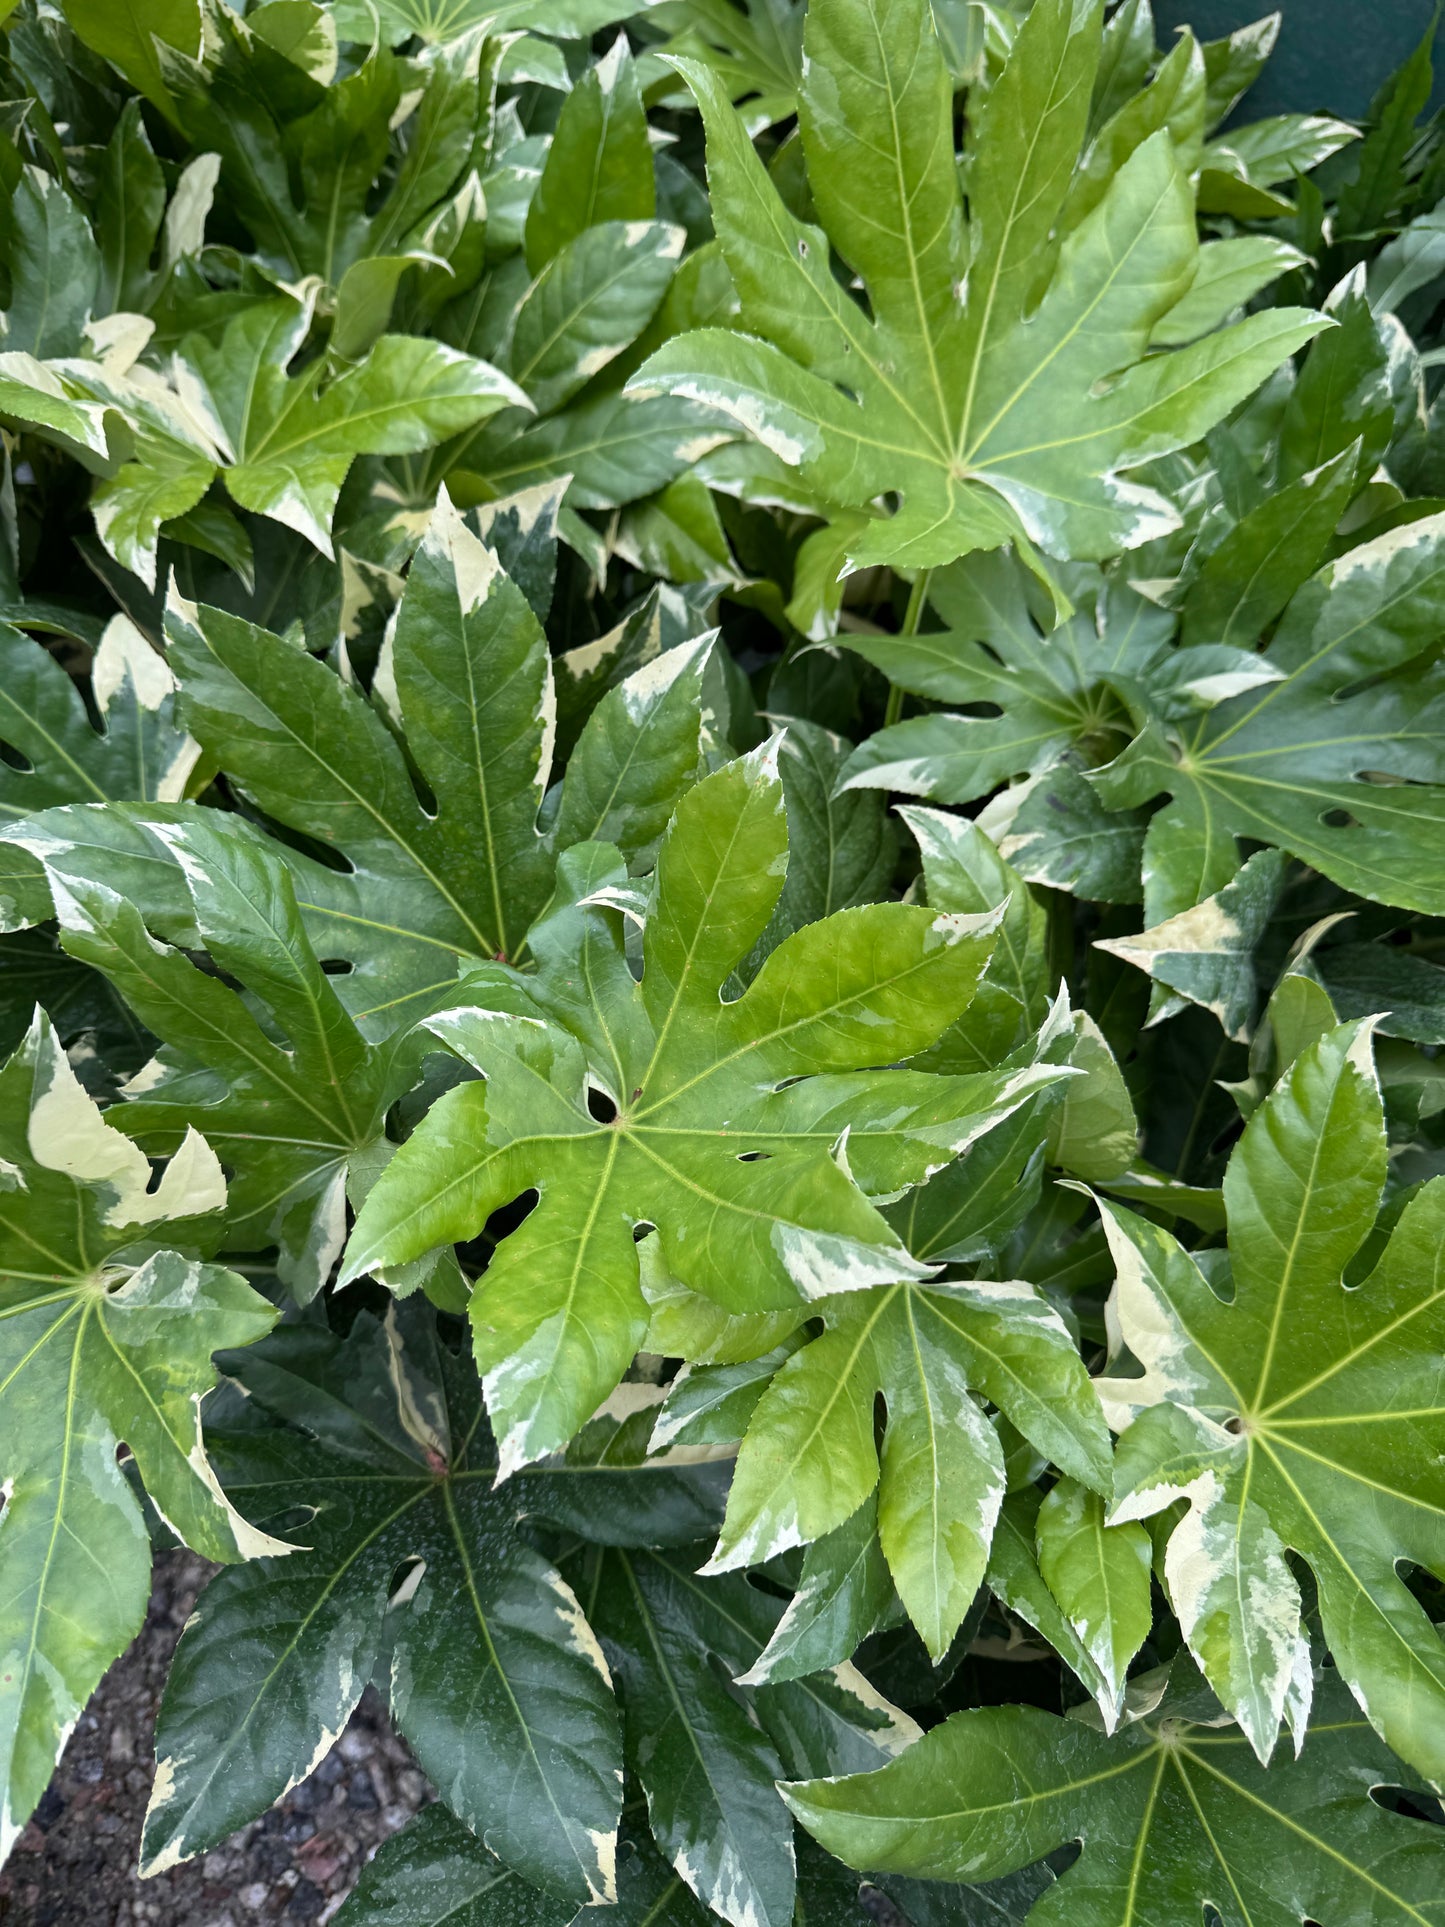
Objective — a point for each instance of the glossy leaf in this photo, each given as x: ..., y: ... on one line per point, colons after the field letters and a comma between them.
x: 415, y: 1570
x: 704, y: 1140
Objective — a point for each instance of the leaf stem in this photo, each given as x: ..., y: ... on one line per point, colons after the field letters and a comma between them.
x: 912, y: 616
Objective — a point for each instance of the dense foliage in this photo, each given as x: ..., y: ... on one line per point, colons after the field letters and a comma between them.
x: 723, y: 840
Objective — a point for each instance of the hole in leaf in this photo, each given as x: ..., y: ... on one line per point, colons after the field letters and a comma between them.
x: 12, y: 757
x: 753, y: 1157
x: 337, y: 966
x: 405, y: 1581
x: 601, y: 1106
x: 476, y: 1253
x: 1338, y: 820
x: 642, y: 1229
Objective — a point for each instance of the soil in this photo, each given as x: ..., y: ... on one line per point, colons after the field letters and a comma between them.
x: 75, y: 1863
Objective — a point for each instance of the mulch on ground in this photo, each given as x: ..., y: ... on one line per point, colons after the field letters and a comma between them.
x: 75, y: 1863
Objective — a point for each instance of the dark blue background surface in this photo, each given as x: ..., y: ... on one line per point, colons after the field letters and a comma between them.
x: 1332, y: 54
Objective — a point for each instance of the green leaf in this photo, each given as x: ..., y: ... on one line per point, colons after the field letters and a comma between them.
x: 55, y: 270
x: 467, y: 676
x: 1207, y: 954
x: 1048, y: 690
x: 1018, y: 410
x: 1015, y: 1580
x: 437, y: 1873
x: 288, y: 1118
x: 141, y: 753
x: 1269, y: 554
x: 286, y: 443
x: 599, y: 166
x: 1346, y: 391
x: 591, y: 299
x: 126, y: 32
x: 1338, y: 761
x: 707, y: 1769
x: 756, y: 48
x: 1230, y: 274
x: 107, y: 1340
x: 614, y: 449
x: 1233, y: 64
x: 441, y: 21
x: 963, y: 871
x: 1092, y: 1131
x: 707, y: 1756
x: 415, y: 1567
x: 723, y: 1117
x: 844, y: 1593
x: 841, y: 847
x: 1099, y: 1575
x: 1174, y: 1814
x: 810, y: 1461
x: 1298, y: 1414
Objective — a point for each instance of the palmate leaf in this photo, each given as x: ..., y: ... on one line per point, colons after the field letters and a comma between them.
x: 436, y: 1873
x: 1051, y: 689
x: 725, y: 1117
x: 342, y: 175
x: 106, y: 1337
x: 708, y: 1755
x: 290, y: 1117
x: 809, y: 1459
x: 1174, y: 1813
x: 440, y: 21
x: 283, y: 439
x: 466, y: 680
x: 1299, y: 1415
x: 1339, y: 759
x: 286, y: 444
x: 756, y: 48
x: 1000, y: 388
x: 416, y: 1573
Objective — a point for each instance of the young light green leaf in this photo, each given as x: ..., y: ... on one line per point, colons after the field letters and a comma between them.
x: 810, y: 1461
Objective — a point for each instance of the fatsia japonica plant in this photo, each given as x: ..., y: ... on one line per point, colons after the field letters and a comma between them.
x: 721, y: 867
